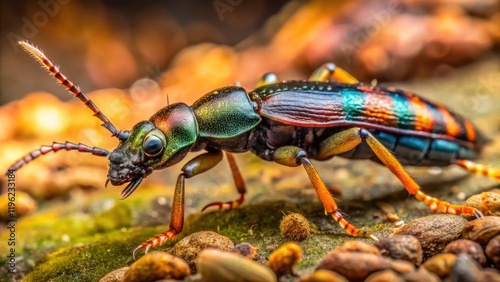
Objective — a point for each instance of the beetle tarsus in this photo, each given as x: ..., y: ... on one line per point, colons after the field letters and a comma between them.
x: 156, y: 241
x: 229, y: 204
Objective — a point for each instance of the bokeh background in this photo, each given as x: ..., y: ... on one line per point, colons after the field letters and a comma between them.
x: 131, y: 57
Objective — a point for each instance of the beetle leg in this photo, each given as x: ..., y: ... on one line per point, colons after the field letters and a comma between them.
x: 350, y: 138
x: 479, y: 168
x: 330, y: 70
x: 268, y: 78
x: 294, y: 156
x: 195, y: 166
x: 238, y: 182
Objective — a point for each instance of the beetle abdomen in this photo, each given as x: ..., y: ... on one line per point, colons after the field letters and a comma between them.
x: 410, y: 150
x: 331, y: 104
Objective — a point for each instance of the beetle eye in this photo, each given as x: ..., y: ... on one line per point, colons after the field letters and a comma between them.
x: 152, y: 146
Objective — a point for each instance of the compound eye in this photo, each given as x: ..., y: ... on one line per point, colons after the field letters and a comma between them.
x: 152, y: 146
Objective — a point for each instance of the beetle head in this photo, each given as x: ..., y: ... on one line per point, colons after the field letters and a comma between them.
x: 160, y: 142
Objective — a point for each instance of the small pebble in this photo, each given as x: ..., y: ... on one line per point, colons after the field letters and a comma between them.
x: 354, y: 266
x: 487, y: 202
x: 469, y: 247
x: 466, y: 269
x: 491, y: 275
x: 295, y: 226
x: 155, y: 266
x: 434, y: 231
x: 115, y: 275
x: 492, y: 251
x: 402, y: 247
x: 358, y: 246
x: 284, y: 258
x: 245, y: 249
x: 189, y: 247
x: 421, y: 275
x: 324, y: 275
x: 482, y: 230
x: 220, y: 266
x: 441, y: 264
x: 402, y: 266
x: 384, y: 276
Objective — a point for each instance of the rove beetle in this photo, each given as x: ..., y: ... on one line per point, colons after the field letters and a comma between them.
x: 288, y: 122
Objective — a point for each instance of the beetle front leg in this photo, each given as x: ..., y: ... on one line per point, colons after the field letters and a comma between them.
x: 195, y: 166
x: 350, y: 138
x: 294, y: 156
x: 330, y: 70
x: 238, y: 182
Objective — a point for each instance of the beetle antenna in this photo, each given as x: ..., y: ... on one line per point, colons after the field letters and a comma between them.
x: 37, y: 54
x: 68, y: 146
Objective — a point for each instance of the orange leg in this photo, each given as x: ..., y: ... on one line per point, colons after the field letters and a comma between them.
x: 197, y: 165
x: 238, y: 182
x: 330, y: 70
x: 352, y: 137
x: 294, y: 156
x: 479, y: 168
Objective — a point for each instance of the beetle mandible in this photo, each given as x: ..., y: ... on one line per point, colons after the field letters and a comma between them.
x: 290, y: 123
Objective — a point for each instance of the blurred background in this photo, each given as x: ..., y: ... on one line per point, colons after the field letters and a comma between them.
x: 130, y: 56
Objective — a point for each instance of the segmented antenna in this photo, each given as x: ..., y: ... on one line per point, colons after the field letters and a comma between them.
x: 37, y: 54
x: 68, y: 146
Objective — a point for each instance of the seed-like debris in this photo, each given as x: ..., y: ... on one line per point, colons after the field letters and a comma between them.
x: 295, y: 226
x: 284, y: 258
x: 466, y: 269
x: 357, y: 266
x: 216, y: 265
x: 493, y: 251
x: 434, y: 231
x: 482, y: 230
x: 156, y: 266
x: 358, y: 246
x: 324, y: 275
x: 245, y: 249
x: 403, y: 247
x: 421, y: 275
x: 487, y: 202
x: 469, y: 247
x: 189, y: 247
x: 441, y: 264
x: 385, y: 275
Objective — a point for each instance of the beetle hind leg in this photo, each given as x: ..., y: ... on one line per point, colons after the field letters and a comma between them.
x: 239, y: 183
x: 294, y: 156
x: 479, y: 168
x: 330, y: 70
x: 350, y: 138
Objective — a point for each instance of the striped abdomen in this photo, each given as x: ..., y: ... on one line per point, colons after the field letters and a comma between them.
x: 330, y: 104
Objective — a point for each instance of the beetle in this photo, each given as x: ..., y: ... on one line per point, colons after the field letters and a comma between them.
x: 290, y: 123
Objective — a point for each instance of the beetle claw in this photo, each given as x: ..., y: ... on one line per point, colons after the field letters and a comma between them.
x: 478, y: 214
x: 141, y: 246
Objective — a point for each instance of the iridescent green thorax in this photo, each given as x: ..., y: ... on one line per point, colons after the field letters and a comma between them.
x: 225, y: 113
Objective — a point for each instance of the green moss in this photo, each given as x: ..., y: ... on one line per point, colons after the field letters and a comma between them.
x: 84, y: 262
x: 116, y: 217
